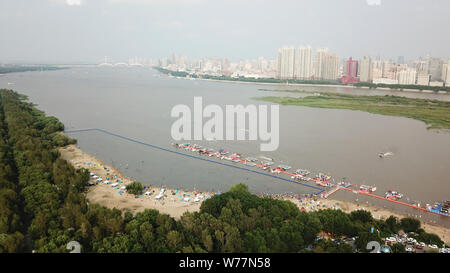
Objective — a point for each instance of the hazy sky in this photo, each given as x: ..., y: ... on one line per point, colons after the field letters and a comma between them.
x: 88, y: 30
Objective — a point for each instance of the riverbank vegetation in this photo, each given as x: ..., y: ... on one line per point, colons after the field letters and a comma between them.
x: 241, y: 78
x: 435, y: 113
x: 25, y: 68
x: 43, y: 207
x: 400, y: 87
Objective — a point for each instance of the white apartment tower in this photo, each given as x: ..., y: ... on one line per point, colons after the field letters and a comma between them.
x: 331, y: 71
x: 319, y: 62
x: 447, y: 79
x: 286, y: 62
x: 365, y: 68
x: 304, y: 63
x: 407, y: 76
x: 444, y: 72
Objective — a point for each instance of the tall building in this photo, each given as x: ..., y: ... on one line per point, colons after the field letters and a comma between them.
x: 377, y: 70
x: 331, y: 71
x: 286, y: 62
x: 447, y: 79
x: 435, y: 68
x: 444, y: 73
x: 423, y: 79
x: 421, y: 67
x: 319, y: 61
x: 326, y: 65
x: 407, y: 76
x: 304, y: 63
x: 365, y: 69
x: 387, y: 70
x: 351, y: 72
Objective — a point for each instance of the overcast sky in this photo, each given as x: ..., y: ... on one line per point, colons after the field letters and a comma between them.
x: 88, y: 30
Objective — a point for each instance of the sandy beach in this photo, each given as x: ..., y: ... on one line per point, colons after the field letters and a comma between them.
x: 110, y: 197
x: 177, y: 201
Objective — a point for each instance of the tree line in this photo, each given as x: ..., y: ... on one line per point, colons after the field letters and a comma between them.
x: 43, y: 206
x: 292, y: 81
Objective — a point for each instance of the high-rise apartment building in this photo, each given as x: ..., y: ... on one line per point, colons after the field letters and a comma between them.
x: 319, y: 62
x: 350, y: 72
x: 435, y: 68
x: 447, y: 78
x: 304, y: 63
x: 299, y: 64
x: 423, y: 79
x: 407, y: 76
x: 326, y: 65
x: 286, y: 62
x: 444, y: 72
x: 421, y: 67
x: 365, y: 69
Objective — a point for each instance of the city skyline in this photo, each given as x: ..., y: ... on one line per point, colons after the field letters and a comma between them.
x: 306, y: 63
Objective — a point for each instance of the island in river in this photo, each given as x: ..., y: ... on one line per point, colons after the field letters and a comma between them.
x: 435, y: 113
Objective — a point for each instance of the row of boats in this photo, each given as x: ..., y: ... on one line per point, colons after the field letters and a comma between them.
x: 263, y: 162
x: 321, y: 179
x: 266, y: 163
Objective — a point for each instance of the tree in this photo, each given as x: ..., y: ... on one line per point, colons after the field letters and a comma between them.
x: 410, y: 224
x: 363, y: 216
x: 398, y: 248
x: 135, y: 188
x: 392, y: 224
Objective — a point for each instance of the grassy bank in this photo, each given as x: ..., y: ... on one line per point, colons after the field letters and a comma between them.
x: 436, y: 114
x: 397, y: 87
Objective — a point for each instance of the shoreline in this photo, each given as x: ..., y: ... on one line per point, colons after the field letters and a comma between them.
x: 175, y: 204
x: 313, y: 85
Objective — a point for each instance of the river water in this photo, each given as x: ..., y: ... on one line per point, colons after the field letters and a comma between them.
x: 136, y: 102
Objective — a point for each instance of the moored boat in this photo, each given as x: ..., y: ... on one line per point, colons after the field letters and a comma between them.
x: 393, y: 195
x: 284, y: 167
x: 366, y: 188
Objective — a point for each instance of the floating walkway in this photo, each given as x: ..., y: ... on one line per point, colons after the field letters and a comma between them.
x: 320, y: 190
x: 390, y: 200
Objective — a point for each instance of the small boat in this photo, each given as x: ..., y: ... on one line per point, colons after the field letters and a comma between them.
x: 302, y: 172
x: 277, y: 170
x: 344, y: 184
x: 298, y: 177
x: 382, y: 155
x: 393, y: 195
x: 323, y: 177
x: 267, y: 163
x: 445, y: 207
x: 366, y: 188
x: 252, y: 159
